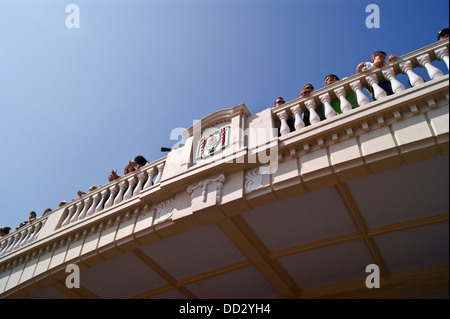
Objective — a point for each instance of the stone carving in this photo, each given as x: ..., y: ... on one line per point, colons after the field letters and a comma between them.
x: 164, y: 210
x: 204, y: 185
x: 253, y: 180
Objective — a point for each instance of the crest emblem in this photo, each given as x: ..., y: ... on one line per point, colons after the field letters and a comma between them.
x: 214, y: 142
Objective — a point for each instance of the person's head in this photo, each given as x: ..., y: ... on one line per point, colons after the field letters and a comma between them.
x: 4, y: 231
x: 48, y: 210
x: 140, y: 160
x: 62, y: 203
x: 330, y: 79
x: 378, y: 56
x: 443, y: 34
x: 128, y: 169
x: 93, y: 187
x: 32, y: 215
x: 308, y: 87
x: 279, y: 101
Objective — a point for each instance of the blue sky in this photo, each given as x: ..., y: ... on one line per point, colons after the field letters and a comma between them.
x: 75, y: 103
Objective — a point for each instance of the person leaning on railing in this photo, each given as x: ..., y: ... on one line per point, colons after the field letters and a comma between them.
x: 4, y: 230
x: 443, y: 34
x: 336, y: 103
x: 138, y: 162
x: 308, y: 88
x: 378, y: 61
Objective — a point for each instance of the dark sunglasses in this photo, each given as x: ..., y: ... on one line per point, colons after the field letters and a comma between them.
x: 279, y: 101
x: 309, y: 88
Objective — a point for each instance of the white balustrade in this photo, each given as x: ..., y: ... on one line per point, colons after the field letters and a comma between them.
x: 71, y: 211
x: 113, y: 190
x: 378, y: 92
x: 284, y: 128
x: 313, y: 116
x: 24, y: 235
x: 132, y: 181
x: 414, y: 79
x: 424, y: 61
x: 345, y: 105
x: 96, y: 199
x: 151, y: 172
x: 160, y: 168
x: 87, y: 204
x: 442, y: 54
x: 361, y: 98
x: 389, y: 74
x: 326, y: 100
x: 123, y: 186
x: 142, y: 178
x: 298, y: 123
x: 105, y: 194
x: 76, y: 215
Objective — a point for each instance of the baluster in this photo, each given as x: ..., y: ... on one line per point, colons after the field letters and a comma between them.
x: 433, y: 72
x: 297, y: 111
x: 22, y: 236
x: 14, y: 240
x: 151, y: 172
x: 442, y: 54
x: 75, y: 216
x: 123, y: 185
x: 87, y: 205
x: 326, y: 100
x: 96, y: 199
x: 37, y: 228
x: 160, y: 168
x: 29, y: 231
x: 313, y: 116
x: 345, y: 105
x: 142, y: 177
x: 378, y: 92
x: 407, y: 69
x: 3, y: 246
x: 105, y: 194
x: 114, y: 189
x: 132, y: 181
x: 72, y: 210
x: 389, y: 74
x: 361, y: 98
x: 284, y: 127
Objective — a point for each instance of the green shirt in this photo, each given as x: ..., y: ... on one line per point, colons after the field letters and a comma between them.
x: 351, y: 98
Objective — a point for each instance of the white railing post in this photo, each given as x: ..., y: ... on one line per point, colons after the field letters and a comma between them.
x: 123, y: 185
x: 132, y: 181
x: 114, y: 189
x: 414, y: 79
x: 284, y: 127
x: 298, y: 123
x: 424, y: 61
x: 160, y: 168
x: 313, y: 116
x: 96, y: 199
x: 87, y: 205
x: 328, y: 109
x: 70, y: 213
x: 378, y: 92
x: 142, y: 177
x: 75, y: 216
x: 442, y: 54
x: 104, y: 194
x: 361, y: 98
x: 345, y: 105
x: 151, y: 172
x: 389, y: 74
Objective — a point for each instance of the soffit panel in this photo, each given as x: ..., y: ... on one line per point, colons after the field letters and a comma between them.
x: 407, y: 192
x: 193, y: 252
x: 415, y: 248
x: 301, y: 219
x: 243, y: 283
x: 120, y: 277
x: 327, y: 265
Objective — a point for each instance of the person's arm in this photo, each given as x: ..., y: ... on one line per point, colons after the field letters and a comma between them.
x: 360, y: 67
x: 392, y: 58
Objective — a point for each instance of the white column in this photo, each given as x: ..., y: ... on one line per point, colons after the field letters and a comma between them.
x: 105, y: 194
x: 442, y: 54
x: 298, y: 123
x: 424, y: 61
x: 132, y: 181
x: 113, y: 190
x: 160, y: 168
x: 378, y: 92
x: 361, y: 98
x: 345, y: 105
x: 326, y: 100
x: 87, y: 204
x: 284, y: 128
x: 123, y: 185
x: 407, y: 69
x: 96, y: 198
x: 151, y: 172
x: 311, y: 106
x: 142, y: 177
x: 75, y: 216
x: 70, y: 213
x: 389, y: 74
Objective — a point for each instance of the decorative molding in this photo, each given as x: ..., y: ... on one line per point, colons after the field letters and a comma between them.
x: 204, y: 185
x: 164, y: 210
x: 253, y: 180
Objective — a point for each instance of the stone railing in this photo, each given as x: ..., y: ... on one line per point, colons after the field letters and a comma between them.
x: 96, y: 202
x: 367, y: 79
